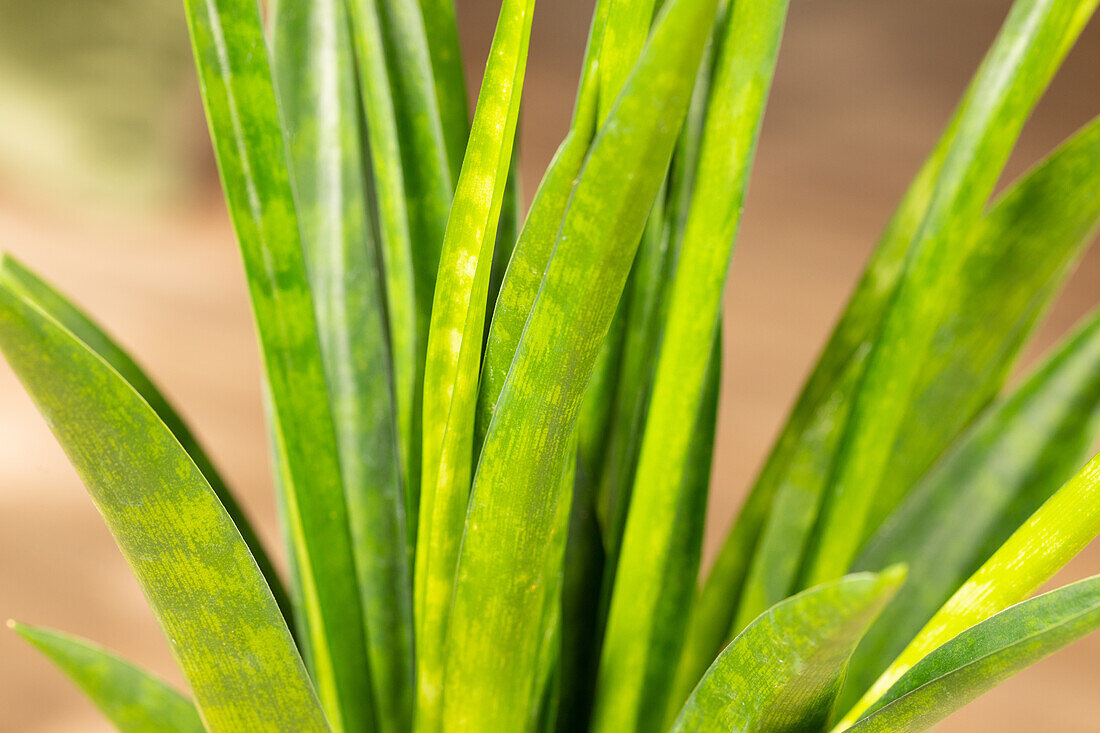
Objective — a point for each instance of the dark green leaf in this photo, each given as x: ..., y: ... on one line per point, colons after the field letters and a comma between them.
x: 244, y: 120
x: 315, y: 75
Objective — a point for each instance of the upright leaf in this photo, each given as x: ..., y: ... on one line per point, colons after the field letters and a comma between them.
x: 132, y: 699
x: 629, y: 656
x: 816, y: 409
x: 454, y: 347
x: 784, y: 671
x: 1050, y: 538
x: 625, y: 30
x: 315, y: 75
x: 450, y: 84
x: 1036, y: 36
x: 406, y: 309
x: 982, y: 657
x: 16, y: 276
x: 238, y: 94
x: 501, y: 581
x: 427, y: 173
x: 1004, y: 468
x: 222, y: 623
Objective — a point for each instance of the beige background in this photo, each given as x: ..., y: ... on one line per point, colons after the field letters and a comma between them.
x: 861, y: 92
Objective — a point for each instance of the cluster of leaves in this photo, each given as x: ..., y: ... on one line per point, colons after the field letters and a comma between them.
x: 493, y: 431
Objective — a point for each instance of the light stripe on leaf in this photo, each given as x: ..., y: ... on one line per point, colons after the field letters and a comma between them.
x: 455, y: 344
x: 986, y: 655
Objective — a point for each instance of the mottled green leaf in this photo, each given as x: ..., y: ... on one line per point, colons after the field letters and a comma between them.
x: 1003, y: 469
x: 1020, y: 254
x: 454, y: 348
x: 783, y: 672
x: 407, y: 309
x: 244, y: 121
x: 501, y: 582
x: 315, y: 76
x: 222, y: 623
x: 984, y: 656
x: 1043, y: 544
x: 1036, y: 36
x: 132, y: 699
x: 16, y: 276
x: 450, y: 84
x: 743, y: 76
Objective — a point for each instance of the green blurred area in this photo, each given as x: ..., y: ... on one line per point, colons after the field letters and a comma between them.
x: 96, y: 101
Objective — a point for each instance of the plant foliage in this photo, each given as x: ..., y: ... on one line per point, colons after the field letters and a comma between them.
x: 493, y: 429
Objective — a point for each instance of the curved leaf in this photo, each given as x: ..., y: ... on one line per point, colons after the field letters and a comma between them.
x: 195, y: 570
x: 1050, y: 538
x: 785, y: 669
x: 1036, y: 36
x: 16, y: 276
x: 1008, y: 464
x: 1021, y: 253
x: 501, y: 581
x: 132, y: 699
x: 986, y: 655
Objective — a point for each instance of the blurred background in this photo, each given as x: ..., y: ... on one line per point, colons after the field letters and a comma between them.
x: 108, y: 187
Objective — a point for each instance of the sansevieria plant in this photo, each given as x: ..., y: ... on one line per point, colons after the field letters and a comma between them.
x: 492, y: 428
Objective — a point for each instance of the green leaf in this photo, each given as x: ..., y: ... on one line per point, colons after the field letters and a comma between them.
x: 501, y: 582
x: 783, y: 672
x: 238, y: 94
x: 744, y: 71
x: 316, y: 81
x: 407, y: 309
x: 1020, y: 254
x: 981, y: 658
x: 1036, y: 36
x: 633, y: 380
x: 450, y: 83
x: 455, y: 345
x: 16, y: 276
x: 195, y: 570
x: 815, y: 410
x: 428, y: 175
x: 1003, y: 469
x: 625, y: 29
x: 1043, y: 544
x: 132, y: 699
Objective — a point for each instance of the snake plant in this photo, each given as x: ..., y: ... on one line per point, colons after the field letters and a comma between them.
x: 492, y: 429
